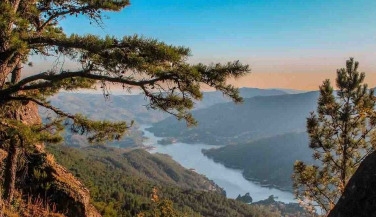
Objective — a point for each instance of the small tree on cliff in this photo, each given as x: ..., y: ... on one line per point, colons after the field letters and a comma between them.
x: 158, y: 70
x: 341, y: 136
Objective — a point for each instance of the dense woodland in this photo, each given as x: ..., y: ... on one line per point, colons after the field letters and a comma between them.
x: 121, y: 183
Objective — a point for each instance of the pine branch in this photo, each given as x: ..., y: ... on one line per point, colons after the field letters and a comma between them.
x: 90, y: 8
x: 43, y: 104
x: 98, y: 131
x: 85, y: 73
x: 62, y: 13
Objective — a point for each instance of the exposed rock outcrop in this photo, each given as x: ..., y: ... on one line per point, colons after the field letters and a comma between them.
x: 67, y: 192
x: 359, y: 198
x: 28, y: 114
x: 43, y: 177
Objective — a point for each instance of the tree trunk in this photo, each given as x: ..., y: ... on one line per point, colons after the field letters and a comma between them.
x: 27, y: 114
x: 16, y: 74
x: 11, y: 170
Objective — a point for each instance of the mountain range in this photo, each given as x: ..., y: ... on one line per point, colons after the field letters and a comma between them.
x: 130, y: 108
x: 257, y: 117
x: 263, y: 137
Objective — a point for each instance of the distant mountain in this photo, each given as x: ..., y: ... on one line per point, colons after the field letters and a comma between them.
x: 128, y: 108
x: 257, y: 117
x: 115, y: 108
x: 216, y: 97
x: 269, y: 161
x: 291, y: 91
x: 133, y: 107
x: 247, y: 92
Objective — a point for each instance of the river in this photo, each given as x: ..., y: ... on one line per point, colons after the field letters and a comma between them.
x: 231, y: 180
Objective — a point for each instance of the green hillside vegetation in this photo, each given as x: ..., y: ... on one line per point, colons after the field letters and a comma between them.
x: 256, y: 118
x: 269, y: 161
x: 291, y: 209
x: 121, y: 183
x: 246, y: 198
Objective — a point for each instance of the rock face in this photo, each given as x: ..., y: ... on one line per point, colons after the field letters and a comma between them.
x: 28, y: 114
x: 359, y: 198
x: 67, y: 192
x: 69, y: 195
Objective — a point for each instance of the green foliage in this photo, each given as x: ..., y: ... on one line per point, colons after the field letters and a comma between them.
x: 130, y: 61
x: 341, y: 135
x: 124, y: 181
x: 160, y: 71
x: 160, y: 207
x: 290, y: 209
x: 103, y: 130
x: 245, y: 198
x: 14, y: 128
x: 41, y: 179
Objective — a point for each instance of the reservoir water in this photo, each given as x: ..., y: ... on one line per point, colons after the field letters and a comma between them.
x: 231, y: 180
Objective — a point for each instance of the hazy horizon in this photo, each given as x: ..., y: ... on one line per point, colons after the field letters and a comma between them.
x: 287, y: 43
x: 305, y: 81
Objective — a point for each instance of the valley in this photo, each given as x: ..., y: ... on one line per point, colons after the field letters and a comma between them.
x: 123, y: 108
x: 257, y: 117
x: 231, y: 180
x: 240, y: 155
x: 261, y: 137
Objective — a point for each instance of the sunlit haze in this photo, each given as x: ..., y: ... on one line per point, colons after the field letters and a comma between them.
x: 287, y: 43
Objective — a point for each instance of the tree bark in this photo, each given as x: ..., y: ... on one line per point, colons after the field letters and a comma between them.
x: 28, y: 115
x: 11, y: 170
x: 16, y: 74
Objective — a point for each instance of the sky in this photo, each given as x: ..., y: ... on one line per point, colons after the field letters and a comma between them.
x: 287, y: 43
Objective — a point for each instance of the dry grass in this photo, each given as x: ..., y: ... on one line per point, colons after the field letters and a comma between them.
x: 50, y: 158
x: 33, y: 207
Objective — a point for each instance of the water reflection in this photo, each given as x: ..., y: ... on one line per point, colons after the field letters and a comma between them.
x: 231, y: 180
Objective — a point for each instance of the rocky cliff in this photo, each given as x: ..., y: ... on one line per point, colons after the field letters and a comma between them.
x: 40, y: 176
x: 359, y: 198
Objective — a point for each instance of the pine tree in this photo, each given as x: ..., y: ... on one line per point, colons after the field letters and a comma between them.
x: 158, y: 70
x: 342, y: 134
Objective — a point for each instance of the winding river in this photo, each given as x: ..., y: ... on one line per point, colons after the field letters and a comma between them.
x: 231, y: 180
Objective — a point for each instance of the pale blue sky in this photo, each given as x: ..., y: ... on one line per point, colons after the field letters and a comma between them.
x: 270, y: 35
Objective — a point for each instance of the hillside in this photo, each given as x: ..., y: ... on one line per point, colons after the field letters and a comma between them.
x: 120, y: 183
x: 95, y: 106
x: 133, y: 107
x: 256, y: 118
x: 129, y: 108
x: 269, y: 161
x: 216, y: 97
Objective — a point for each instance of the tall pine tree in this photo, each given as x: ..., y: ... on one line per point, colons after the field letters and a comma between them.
x: 159, y: 71
x: 342, y: 134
